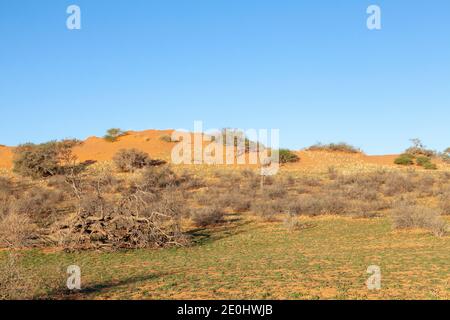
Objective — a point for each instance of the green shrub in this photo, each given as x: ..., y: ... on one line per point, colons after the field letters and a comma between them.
x: 44, y: 160
x: 405, y: 160
x: 113, y: 134
x: 426, y: 163
x: 340, y: 147
x: 429, y: 166
x: 408, y: 159
x: 287, y: 156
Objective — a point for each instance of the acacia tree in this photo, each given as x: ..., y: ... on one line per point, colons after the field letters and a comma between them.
x: 113, y: 134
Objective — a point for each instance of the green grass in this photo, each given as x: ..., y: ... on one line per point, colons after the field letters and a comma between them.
x: 249, y: 259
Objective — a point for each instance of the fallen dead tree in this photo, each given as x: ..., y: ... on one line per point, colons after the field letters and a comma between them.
x: 137, y: 218
x: 114, y: 226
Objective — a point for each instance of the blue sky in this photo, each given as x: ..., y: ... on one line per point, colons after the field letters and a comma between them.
x: 310, y: 68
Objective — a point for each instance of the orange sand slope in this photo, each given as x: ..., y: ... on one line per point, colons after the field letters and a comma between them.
x: 98, y: 149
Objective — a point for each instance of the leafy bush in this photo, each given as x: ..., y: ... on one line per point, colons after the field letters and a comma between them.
x: 405, y: 160
x: 128, y: 160
x: 426, y: 163
x: 406, y: 216
x: 113, y: 134
x: 340, y: 147
x: 46, y: 159
x: 287, y: 156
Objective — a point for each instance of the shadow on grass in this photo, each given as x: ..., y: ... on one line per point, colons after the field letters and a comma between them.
x: 231, y: 227
x: 94, y: 289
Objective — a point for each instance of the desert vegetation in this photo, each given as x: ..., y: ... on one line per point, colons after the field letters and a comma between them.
x: 333, y: 147
x: 138, y: 203
x: 113, y: 134
x: 46, y: 159
x: 287, y: 156
x: 166, y: 138
x: 418, y: 155
x: 129, y: 160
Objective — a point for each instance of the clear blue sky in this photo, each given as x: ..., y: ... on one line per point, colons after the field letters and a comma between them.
x: 310, y: 68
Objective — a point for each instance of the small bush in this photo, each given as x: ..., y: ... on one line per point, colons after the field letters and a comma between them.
x: 267, y: 209
x: 318, y: 204
x: 425, y: 162
x: 425, y: 185
x: 237, y: 201
x: 166, y: 138
x: 128, y: 160
x: 275, y: 191
x: 208, y: 216
x: 287, y: 156
x: 113, y: 134
x: 405, y: 160
x: 339, y: 147
x: 397, y: 183
x: 405, y: 216
x: 159, y: 177
x: 16, y: 230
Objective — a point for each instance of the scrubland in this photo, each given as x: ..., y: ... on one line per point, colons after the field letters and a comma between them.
x: 140, y: 228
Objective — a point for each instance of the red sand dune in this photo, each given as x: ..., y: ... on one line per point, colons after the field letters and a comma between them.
x: 98, y: 149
